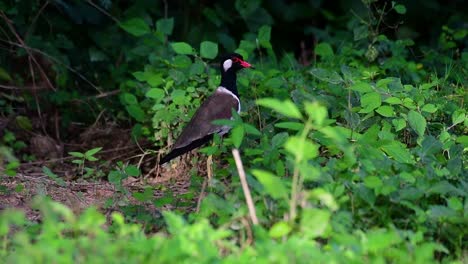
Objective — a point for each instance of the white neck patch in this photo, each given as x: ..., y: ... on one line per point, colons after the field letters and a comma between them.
x: 227, y: 64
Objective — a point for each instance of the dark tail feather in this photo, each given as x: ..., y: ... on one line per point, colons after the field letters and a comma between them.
x: 179, y: 151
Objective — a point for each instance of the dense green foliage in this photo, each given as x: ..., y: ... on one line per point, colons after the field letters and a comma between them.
x: 358, y: 157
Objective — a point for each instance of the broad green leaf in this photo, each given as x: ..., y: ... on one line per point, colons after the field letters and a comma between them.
x: 115, y: 177
x: 165, y: 25
x: 380, y: 239
x: 326, y: 75
x: 286, y: 108
x: 178, y: 96
x: 417, y: 122
x: 182, y: 48
x: 132, y: 170
x: 279, y: 229
x: 455, y: 203
x: 237, y: 135
x: 208, y: 49
x: 175, y: 223
x: 155, y: 93
x: 274, y: 83
x: 360, y: 32
x: 399, y: 152
x: 249, y: 129
x: 372, y: 182
x: 458, y: 116
x: 400, y: 9
x: 324, y: 50
x: 317, y: 112
x: 146, y: 195
x: 272, y: 184
x: 385, y: 110
x: 463, y: 140
x: 370, y: 101
x: 135, y: 26
x: 314, y: 222
x: 362, y: 87
x: 429, y: 108
x: 264, y: 35
x: 136, y: 112
x: 393, y: 100
x: 399, y: 123
x: 129, y: 99
x: 24, y: 123
x: 302, y: 150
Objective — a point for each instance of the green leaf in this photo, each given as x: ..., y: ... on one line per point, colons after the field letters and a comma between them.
x: 381, y: 239
x: 400, y: 9
x: 317, y: 112
x: 301, y: 149
x: 385, y: 110
x: 399, y: 152
x: 4, y: 75
x: 208, y: 49
x: 399, y: 124
x: 264, y: 35
x: 362, y: 87
x: 165, y: 25
x: 135, y: 26
x: 76, y: 154
x: 53, y: 176
x: 155, y: 93
x: 136, y: 112
x: 314, y: 222
x: 115, y: 177
x: 458, y: 116
x: 290, y: 125
x: 372, y: 182
x: 272, y: 184
x: 182, y: 48
x: 429, y: 108
x: 417, y: 122
x: 132, y: 170
x: 129, y: 99
x: 324, y: 50
x: 360, y: 32
x: 455, y: 204
x: 370, y: 101
x: 393, y: 100
x: 326, y: 75
x: 286, y: 108
x: 93, y: 151
x: 279, y: 229
x: 24, y: 123
x: 237, y: 135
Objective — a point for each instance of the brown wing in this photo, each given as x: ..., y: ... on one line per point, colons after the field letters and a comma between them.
x: 218, y: 106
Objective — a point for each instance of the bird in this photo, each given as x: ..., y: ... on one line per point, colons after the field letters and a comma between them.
x: 219, y: 105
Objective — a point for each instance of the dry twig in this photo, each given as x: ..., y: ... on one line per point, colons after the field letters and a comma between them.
x: 245, y: 187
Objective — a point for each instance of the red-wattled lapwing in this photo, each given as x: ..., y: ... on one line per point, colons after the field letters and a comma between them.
x: 219, y: 105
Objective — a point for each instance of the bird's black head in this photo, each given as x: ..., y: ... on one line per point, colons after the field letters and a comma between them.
x: 233, y: 62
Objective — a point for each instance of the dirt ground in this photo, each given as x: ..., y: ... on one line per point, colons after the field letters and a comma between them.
x: 79, y: 193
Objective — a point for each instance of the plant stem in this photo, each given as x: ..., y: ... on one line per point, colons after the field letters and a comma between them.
x: 245, y: 186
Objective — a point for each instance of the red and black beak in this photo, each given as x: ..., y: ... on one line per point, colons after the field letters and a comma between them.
x: 245, y: 64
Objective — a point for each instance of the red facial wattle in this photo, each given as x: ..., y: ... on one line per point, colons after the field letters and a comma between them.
x: 242, y: 62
